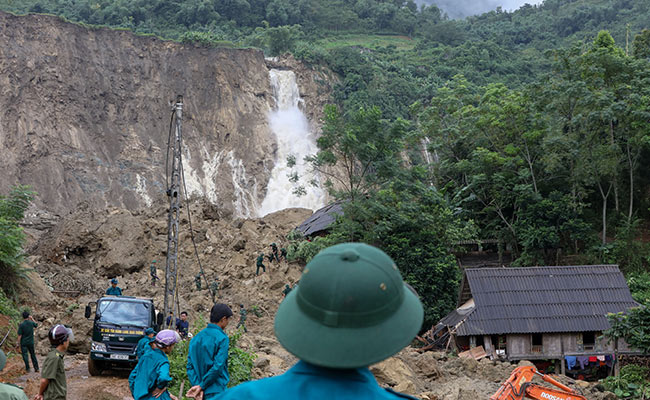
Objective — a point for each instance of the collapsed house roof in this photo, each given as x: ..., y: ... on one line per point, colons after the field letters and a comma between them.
x: 321, y: 219
x: 540, y: 299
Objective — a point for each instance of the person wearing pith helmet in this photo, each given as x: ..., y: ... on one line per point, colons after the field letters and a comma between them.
x: 114, y: 290
x: 351, y: 310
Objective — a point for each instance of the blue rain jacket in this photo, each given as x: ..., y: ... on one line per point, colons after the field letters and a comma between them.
x: 207, y: 361
x: 143, y: 346
x: 307, y: 381
x: 151, y: 372
x: 115, y: 291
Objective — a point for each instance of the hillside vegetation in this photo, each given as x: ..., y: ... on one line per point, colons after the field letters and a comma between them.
x: 531, y: 127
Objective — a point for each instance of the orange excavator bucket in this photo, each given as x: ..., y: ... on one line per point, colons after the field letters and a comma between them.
x: 520, y: 385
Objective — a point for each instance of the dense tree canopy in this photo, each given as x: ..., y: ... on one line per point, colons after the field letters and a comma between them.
x: 531, y: 127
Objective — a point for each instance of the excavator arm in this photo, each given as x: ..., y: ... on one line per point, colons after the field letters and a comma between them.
x: 520, y: 385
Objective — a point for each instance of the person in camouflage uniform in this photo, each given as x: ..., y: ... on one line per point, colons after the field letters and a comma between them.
x: 153, y: 273
x: 274, y: 252
x: 242, y: 317
x: 260, y: 264
x: 214, y: 289
x: 197, y: 281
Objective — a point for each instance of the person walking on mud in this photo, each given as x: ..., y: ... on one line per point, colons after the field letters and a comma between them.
x: 242, y: 317
x: 26, y: 340
x: 214, y: 289
x: 274, y: 250
x: 260, y: 264
x: 153, y: 273
x: 53, y: 383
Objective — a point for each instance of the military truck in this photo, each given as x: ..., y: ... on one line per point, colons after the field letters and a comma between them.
x: 118, y: 325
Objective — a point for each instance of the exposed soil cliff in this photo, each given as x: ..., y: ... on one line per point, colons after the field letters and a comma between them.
x: 85, y: 116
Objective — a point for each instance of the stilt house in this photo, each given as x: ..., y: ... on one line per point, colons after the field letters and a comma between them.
x: 539, y: 313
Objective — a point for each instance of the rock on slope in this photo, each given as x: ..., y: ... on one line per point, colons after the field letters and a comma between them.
x: 85, y: 115
x: 87, y: 247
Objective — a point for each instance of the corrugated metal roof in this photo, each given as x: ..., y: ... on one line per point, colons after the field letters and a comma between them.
x: 544, y: 299
x: 321, y: 219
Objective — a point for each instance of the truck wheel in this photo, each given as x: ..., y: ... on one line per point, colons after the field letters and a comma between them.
x: 94, y: 367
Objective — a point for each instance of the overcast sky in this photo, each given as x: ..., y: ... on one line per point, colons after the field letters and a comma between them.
x: 463, y: 8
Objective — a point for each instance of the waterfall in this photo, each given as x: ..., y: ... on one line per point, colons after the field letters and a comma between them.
x: 425, y: 146
x: 291, y: 129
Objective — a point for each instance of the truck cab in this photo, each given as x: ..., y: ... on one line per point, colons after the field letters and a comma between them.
x: 119, y: 324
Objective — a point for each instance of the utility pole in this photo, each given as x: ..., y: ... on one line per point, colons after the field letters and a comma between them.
x: 171, y: 268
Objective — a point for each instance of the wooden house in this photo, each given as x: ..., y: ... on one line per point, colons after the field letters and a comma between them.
x: 539, y: 313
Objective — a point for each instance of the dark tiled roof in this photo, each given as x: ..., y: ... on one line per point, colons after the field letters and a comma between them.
x: 321, y: 219
x: 544, y: 299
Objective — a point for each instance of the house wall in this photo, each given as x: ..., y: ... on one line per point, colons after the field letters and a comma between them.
x: 518, y: 345
x: 554, y: 345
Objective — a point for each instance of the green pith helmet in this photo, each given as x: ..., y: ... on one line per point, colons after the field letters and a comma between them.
x: 351, y: 309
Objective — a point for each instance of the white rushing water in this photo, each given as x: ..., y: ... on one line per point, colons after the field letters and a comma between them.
x: 291, y: 129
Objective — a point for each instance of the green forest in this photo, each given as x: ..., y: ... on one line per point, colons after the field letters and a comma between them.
x: 530, y: 127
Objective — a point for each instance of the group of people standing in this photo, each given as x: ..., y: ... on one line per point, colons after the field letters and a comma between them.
x: 207, y: 361
x: 275, y: 254
x: 351, y: 310
x: 338, y: 321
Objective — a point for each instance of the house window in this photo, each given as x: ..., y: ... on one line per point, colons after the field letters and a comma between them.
x: 536, y: 342
x: 499, y: 342
x: 589, y: 340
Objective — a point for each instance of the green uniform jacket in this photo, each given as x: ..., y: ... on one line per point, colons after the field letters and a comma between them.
x: 115, y: 291
x: 307, y: 381
x: 151, y: 372
x: 26, y: 329
x: 54, y: 371
x: 207, y: 361
x: 143, y: 346
x: 260, y: 260
x: 11, y: 392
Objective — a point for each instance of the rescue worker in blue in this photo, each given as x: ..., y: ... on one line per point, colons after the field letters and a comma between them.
x: 351, y: 310
x: 207, y: 361
x: 145, y: 342
x: 150, y: 378
x: 114, y: 290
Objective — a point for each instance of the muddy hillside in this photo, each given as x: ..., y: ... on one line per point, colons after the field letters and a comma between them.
x: 74, y: 260
x: 86, y: 114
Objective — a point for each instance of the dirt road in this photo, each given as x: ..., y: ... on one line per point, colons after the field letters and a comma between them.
x: 81, y: 386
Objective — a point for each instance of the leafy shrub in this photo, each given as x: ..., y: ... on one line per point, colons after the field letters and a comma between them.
x: 240, y: 362
x: 639, y: 284
x: 12, y: 238
x: 632, y: 382
x: 9, y: 309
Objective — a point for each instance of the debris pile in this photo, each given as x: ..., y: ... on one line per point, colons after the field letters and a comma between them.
x: 75, y: 259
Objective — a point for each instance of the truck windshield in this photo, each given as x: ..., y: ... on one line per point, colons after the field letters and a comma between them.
x: 124, y: 312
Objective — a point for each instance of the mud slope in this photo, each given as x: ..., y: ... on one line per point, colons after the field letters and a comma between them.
x: 85, y: 115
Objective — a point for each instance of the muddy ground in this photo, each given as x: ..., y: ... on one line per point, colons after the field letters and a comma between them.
x: 74, y: 258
